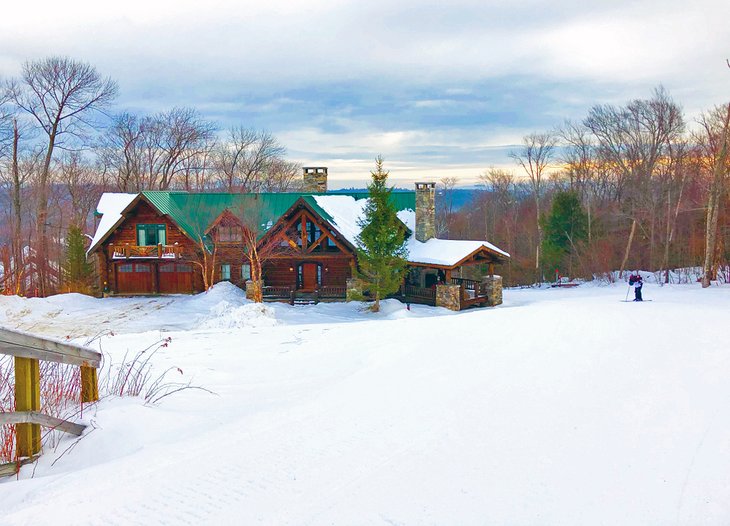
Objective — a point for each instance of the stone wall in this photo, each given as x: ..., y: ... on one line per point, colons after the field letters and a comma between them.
x: 493, y: 286
x: 425, y: 211
x: 448, y: 296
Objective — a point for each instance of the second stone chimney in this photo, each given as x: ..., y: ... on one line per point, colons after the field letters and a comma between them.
x: 425, y: 211
x: 315, y: 179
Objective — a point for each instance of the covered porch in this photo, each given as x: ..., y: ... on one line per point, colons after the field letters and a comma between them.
x: 460, y: 276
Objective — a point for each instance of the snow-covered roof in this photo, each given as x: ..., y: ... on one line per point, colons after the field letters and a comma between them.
x: 111, y: 206
x: 445, y: 252
x: 346, y: 212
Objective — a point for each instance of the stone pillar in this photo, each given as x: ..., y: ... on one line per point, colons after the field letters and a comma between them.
x: 448, y: 296
x: 492, y: 285
x: 252, y: 287
x: 315, y: 180
x: 425, y: 211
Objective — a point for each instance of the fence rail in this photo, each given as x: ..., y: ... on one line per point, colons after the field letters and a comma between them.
x: 28, y: 350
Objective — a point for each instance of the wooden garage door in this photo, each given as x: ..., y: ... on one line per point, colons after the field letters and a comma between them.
x: 176, y: 278
x: 134, y: 278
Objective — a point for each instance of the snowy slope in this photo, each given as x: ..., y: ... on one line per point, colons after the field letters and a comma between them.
x: 563, y: 406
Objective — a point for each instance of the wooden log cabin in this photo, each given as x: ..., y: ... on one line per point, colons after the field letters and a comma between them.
x: 175, y: 242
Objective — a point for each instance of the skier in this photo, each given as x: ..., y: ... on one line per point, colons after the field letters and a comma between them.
x: 636, y: 281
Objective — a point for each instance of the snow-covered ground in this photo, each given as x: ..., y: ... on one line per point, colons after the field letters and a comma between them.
x: 562, y: 406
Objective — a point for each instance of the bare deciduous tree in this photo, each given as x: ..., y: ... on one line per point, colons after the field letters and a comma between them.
x: 245, y: 159
x: 79, y: 178
x: 716, y: 129
x: 60, y: 95
x: 634, y: 139
x: 534, y: 157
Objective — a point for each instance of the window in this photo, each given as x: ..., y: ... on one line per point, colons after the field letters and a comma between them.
x: 245, y: 271
x: 127, y: 267
x: 148, y: 235
x: 230, y: 234
x: 225, y: 272
x: 313, y: 232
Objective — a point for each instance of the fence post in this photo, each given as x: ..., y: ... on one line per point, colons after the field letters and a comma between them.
x: 27, y: 398
x: 89, y: 384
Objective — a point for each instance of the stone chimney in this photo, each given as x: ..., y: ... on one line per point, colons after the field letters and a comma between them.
x: 425, y: 211
x: 315, y: 179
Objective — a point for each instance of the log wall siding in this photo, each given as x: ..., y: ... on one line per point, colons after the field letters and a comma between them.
x: 276, y: 271
x: 336, y: 270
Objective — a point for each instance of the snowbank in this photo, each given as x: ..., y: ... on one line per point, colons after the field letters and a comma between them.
x: 226, y: 315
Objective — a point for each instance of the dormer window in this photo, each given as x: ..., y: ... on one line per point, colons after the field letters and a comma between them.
x: 230, y: 234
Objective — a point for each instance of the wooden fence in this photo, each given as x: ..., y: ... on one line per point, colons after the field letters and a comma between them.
x: 27, y: 351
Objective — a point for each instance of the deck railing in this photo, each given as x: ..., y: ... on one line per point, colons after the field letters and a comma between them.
x: 415, y: 294
x: 289, y: 293
x: 470, y: 288
x: 147, y: 252
x: 277, y: 293
x: 332, y: 292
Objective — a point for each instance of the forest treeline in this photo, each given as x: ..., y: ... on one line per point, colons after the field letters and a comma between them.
x: 61, y: 148
x: 631, y: 186
x: 628, y: 186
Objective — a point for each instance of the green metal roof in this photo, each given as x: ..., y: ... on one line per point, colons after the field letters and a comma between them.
x: 195, y: 212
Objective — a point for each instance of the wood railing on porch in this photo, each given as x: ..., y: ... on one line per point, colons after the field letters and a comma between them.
x: 415, y: 294
x: 150, y: 251
x: 289, y: 294
x: 472, y: 291
x: 27, y: 351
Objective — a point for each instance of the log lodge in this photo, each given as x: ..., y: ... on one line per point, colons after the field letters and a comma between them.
x: 168, y: 242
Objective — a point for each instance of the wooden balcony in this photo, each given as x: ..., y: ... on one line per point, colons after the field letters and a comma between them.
x: 145, y: 252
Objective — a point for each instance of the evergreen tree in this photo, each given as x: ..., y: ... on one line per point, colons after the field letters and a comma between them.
x: 564, y: 228
x: 381, y: 247
x: 76, y: 270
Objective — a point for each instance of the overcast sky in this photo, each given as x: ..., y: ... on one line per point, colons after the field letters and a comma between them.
x: 438, y: 88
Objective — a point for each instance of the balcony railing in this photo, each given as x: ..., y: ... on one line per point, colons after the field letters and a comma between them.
x: 145, y: 252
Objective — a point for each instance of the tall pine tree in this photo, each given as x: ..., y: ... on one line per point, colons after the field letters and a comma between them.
x: 76, y: 270
x: 565, y: 227
x: 381, y: 251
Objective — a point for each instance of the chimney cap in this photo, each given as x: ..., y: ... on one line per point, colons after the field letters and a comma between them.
x: 425, y: 185
x: 314, y: 169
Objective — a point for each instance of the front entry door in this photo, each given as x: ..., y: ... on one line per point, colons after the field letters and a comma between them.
x: 308, y: 277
